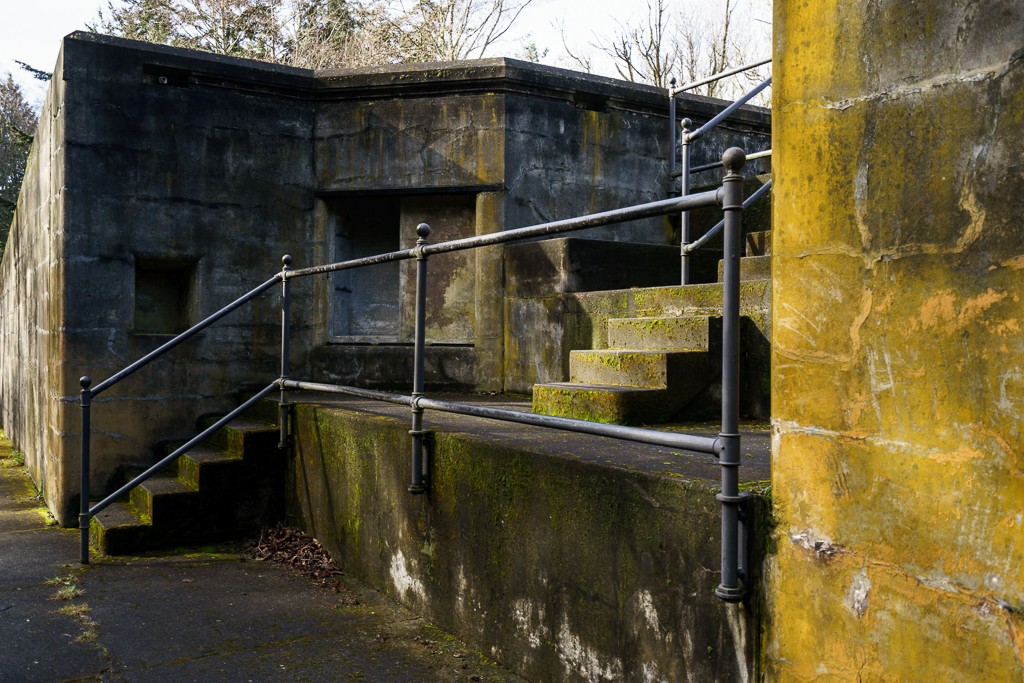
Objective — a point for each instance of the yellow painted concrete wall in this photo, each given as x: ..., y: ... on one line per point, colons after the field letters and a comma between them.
x: 898, y: 361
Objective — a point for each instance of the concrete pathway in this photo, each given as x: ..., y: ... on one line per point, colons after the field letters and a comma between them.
x: 204, y: 615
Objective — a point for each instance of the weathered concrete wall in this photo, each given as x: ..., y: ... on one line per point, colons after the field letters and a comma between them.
x: 178, y: 161
x: 898, y: 470
x: 32, y: 304
x: 562, y: 569
x: 186, y: 176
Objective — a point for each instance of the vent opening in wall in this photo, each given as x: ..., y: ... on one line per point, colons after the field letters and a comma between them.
x: 163, y: 293
x: 165, y: 75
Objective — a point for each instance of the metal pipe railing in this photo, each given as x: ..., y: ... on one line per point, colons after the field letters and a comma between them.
x: 662, y: 207
x: 688, y: 442
x: 718, y: 164
x: 286, y: 314
x: 731, y: 588
x: 672, y: 91
x: 729, y: 111
x: 726, y: 445
x: 184, y: 336
x: 419, y: 349
x: 685, y: 170
x: 706, y: 237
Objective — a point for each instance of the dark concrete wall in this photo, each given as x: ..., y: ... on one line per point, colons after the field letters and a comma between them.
x: 563, y: 570
x: 212, y: 169
x: 32, y: 386
x: 186, y: 176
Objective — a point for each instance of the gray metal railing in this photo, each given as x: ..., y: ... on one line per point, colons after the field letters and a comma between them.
x: 725, y: 446
x: 684, y: 169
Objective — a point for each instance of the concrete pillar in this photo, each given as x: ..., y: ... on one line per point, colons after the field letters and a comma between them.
x: 898, y: 360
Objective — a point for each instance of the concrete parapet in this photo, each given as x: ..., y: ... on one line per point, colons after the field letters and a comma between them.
x: 529, y: 545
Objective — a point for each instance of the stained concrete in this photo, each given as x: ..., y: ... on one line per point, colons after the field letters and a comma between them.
x: 898, y: 382
x: 157, y: 163
x: 566, y: 557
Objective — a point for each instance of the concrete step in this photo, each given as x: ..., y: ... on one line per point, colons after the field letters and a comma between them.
x: 603, y: 403
x: 664, y: 302
x: 162, y: 497
x: 243, y: 437
x: 752, y: 268
x: 210, y: 494
x: 627, y: 386
x: 208, y: 466
x: 758, y: 243
x: 675, y: 333
x: 638, y: 368
x: 119, y: 530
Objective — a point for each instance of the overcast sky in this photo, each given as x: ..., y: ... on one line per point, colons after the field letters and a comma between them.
x: 31, y: 30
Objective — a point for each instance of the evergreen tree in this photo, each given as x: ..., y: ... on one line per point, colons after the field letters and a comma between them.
x: 17, y: 126
x: 150, y: 20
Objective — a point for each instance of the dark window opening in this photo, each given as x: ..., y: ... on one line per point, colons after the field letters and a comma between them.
x: 365, y: 302
x: 162, y: 295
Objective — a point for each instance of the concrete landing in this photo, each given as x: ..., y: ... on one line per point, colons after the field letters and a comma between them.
x: 615, y: 453
x: 207, y: 614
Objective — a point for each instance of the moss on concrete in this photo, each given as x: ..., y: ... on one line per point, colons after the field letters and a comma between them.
x: 558, y: 568
x: 896, y: 465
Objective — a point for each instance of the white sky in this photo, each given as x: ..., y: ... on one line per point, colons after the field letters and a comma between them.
x: 31, y: 30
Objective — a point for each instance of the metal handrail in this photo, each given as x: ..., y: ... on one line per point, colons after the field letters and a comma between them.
x: 685, y: 169
x: 181, y: 450
x: 661, y: 207
x: 673, y: 90
x: 727, y: 112
x: 706, y: 237
x: 718, y: 164
x: 184, y: 336
x: 690, y: 442
x: 726, y: 446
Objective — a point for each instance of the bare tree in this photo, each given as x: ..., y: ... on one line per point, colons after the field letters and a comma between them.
x: 691, y: 46
x: 319, y: 33
x: 447, y: 30
x: 645, y: 53
x: 149, y: 20
x: 323, y: 33
x: 240, y: 28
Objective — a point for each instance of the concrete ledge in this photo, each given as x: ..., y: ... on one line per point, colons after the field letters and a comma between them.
x: 564, y: 557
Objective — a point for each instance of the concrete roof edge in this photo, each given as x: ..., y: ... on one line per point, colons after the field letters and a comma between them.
x: 428, y: 79
x: 210, y: 63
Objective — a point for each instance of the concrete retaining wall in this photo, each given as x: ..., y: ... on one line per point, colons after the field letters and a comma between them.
x: 562, y: 570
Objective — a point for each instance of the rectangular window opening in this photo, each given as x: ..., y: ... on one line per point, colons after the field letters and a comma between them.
x: 163, y: 292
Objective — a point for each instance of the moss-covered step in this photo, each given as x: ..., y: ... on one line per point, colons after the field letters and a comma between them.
x: 120, y: 529
x: 209, y: 494
x: 637, y: 368
x: 603, y: 403
x: 684, y: 333
x: 243, y: 436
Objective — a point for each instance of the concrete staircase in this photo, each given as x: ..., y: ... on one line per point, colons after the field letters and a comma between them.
x: 225, y: 488
x: 664, y: 363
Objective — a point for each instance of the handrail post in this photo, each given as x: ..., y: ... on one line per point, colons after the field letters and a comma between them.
x: 731, y: 589
x: 83, y: 515
x: 286, y: 262
x: 684, y: 189
x: 672, y: 164
x: 419, y: 343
